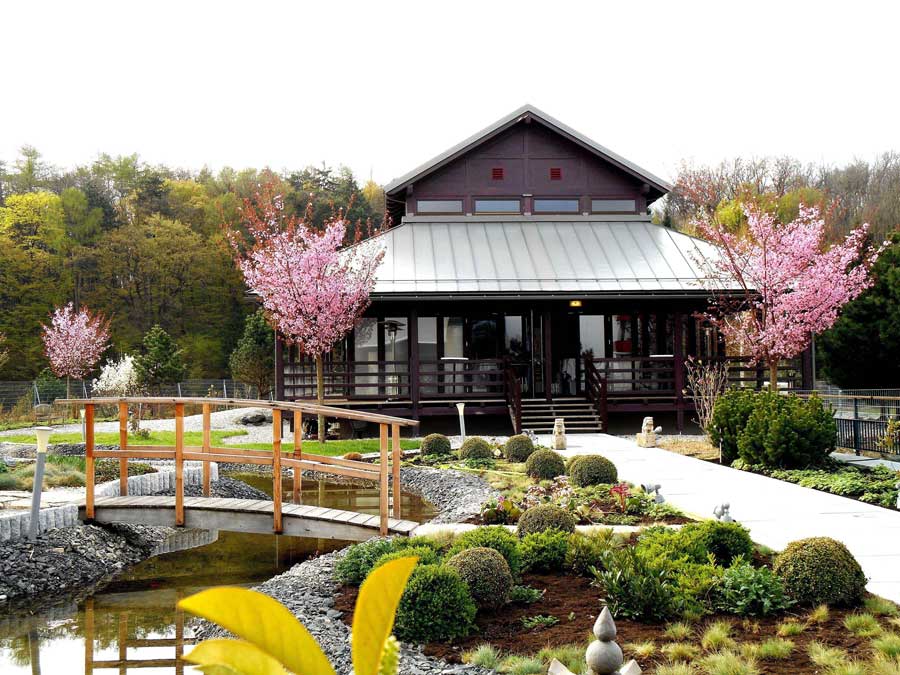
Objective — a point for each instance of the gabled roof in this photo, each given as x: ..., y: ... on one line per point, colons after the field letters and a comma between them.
x: 540, y: 255
x: 509, y: 120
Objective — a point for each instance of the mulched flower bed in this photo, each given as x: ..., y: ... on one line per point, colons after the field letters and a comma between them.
x: 573, y: 596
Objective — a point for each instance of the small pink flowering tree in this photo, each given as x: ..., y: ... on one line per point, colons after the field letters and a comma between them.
x: 312, y: 290
x: 74, y: 342
x: 789, y: 286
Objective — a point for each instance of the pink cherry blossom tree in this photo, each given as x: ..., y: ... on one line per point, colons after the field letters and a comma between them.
x: 74, y: 341
x: 312, y: 290
x: 790, y: 286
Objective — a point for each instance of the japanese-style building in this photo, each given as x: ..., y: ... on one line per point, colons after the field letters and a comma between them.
x: 524, y: 277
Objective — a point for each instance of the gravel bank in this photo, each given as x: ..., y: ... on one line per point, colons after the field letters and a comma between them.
x: 458, y: 495
x: 227, y: 488
x: 308, y: 591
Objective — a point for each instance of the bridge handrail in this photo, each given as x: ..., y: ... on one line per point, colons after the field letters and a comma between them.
x: 296, y: 459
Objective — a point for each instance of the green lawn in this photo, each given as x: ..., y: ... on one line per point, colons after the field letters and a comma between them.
x: 332, y: 448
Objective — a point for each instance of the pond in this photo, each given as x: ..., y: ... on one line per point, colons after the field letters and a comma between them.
x: 132, y: 623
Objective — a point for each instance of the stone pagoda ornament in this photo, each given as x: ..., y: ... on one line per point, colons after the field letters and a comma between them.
x: 604, y: 656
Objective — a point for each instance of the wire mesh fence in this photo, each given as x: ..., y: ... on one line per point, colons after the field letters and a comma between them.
x: 867, y: 419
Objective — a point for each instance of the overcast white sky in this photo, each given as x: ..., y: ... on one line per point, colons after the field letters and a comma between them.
x: 383, y: 86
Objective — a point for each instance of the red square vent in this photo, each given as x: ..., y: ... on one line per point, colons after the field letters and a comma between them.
x: 497, y: 173
x: 555, y: 173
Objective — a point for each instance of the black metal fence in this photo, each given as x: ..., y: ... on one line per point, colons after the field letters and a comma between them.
x: 867, y: 419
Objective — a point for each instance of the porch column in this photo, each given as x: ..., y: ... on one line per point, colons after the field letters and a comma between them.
x: 679, y: 371
x: 413, y: 337
x: 806, y: 370
x: 279, y: 368
x: 548, y: 357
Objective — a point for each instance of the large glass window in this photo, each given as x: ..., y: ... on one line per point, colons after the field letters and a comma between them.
x: 439, y: 206
x: 613, y: 206
x: 428, y: 353
x: 365, y: 355
x: 498, y: 206
x: 592, y: 331
x: 396, y: 353
x: 555, y: 206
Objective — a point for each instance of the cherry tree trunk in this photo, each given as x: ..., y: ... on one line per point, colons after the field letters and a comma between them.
x: 773, y: 375
x: 320, y: 395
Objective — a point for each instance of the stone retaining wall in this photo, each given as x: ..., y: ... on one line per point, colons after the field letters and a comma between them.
x: 14, y: 525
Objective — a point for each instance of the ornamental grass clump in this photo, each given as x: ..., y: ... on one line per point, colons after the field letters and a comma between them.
x: 435, y: 606
x: 476, y: 448
x: 821, y: 570
x: 518, y: 448
x: 588, y: 470
x: 546, y: 517
x: 545, y: 464
x: 496, y: 537
x: 435, y: 444
x: 487, y: 575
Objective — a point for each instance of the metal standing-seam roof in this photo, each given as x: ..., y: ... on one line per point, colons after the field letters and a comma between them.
x: 508, y: 255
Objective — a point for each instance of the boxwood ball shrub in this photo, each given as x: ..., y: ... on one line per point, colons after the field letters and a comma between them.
x: 518, y: 448
x: 436, y: 605
x: 545, y: 465
x: 475, y: 448
x: 589, y: 470
x: 356, y: 564
x: 486, y: 573
x: 820, y: 570
x: 496, y: 537
x: 544, y: 551
x: 545, y: 517
x: 730, y: 415
x: 726, y: 541
x: 435, y: 444
x: 425, y: 554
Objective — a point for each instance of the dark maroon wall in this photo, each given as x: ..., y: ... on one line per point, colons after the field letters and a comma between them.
x: 526, y: 153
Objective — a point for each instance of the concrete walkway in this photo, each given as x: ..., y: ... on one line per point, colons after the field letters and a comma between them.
x: 775, y: 512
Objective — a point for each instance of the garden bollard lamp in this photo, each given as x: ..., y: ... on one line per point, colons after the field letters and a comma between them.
x: 43, y: 437
x: 461, y: 407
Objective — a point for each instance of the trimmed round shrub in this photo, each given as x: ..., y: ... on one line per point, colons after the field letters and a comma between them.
x: 436, y: 545
x: 487, y: 575
x: 435, y: 444
x: 787, y: 432
x: 496, y: 537
x: 820, y: 570
x: 518, y: 448
x: 726, y: 541
x: 435, y: 606
x: 545, y: 517
x: 425, y: 554
x: 476, y: 448
x: 545, y: 465
x: 354, y: 456
x: 356, y: 564
x: 589, y: 470
x: 730, y: 415
x: 544, y: 551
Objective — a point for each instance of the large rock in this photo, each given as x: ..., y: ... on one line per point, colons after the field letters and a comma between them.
x: 254, y: 417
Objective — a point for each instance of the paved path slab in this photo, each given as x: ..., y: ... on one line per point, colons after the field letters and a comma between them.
x: 775, y: 512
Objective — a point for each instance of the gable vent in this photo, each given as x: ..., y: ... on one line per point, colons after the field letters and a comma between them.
x: 497, y: 173
x: 555, y: 173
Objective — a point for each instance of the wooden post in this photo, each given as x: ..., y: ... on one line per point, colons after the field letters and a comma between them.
x: 89, y: 460
x: 383, y: 483
x: 679, y: 371
x: 276, y: 469
x: 207, y: 410
x: 88, y: 632
x: 396, y: 455
x: 179, y: 464
x: 298, y: 454
x: 123, y: 643
x: 123, y: 445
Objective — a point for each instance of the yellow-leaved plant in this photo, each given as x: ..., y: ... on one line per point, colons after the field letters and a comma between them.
x: 272, y: 642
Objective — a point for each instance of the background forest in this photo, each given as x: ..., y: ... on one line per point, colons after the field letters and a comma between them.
x: 144, y: 244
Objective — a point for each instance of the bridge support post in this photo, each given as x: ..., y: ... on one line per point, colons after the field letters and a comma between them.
x: 276, y: 470
x: 395, y: 467
x: 207, y: 409
x: 179, y: 464
x: 298, y: 454
x: 123, y: 445
x: 383, y: 476
x: 89, y: 461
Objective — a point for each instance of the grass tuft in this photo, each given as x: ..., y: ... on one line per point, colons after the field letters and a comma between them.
x: 888, y: 645
x: 717, y: 636
x: 680, y: 651
x: 641, y: 650
x: 880, y: 607
x: 678, y: 631
x: 775, y: 649
x: 790, y: 628
x: 676, y: 669
x: 571, y: 656
x: 728, y: 663
x: 820, y: 614
x: 850, y: 668
x: 862, y: 625
x: 825, y: 656
x: 521, y: 665
x: 485, y: 656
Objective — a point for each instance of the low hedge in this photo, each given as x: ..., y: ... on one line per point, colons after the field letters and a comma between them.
x: 486, y: 573
x: 544, y: 551
x: 545, y: 465
x: 820, y: 570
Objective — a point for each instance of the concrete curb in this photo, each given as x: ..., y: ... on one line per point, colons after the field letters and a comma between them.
x: 14, y: 526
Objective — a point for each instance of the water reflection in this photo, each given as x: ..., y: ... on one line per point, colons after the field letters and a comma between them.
x: 132, y: 624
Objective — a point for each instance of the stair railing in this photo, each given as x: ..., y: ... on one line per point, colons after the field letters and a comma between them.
x: 595, y: 389
x: 513, y: 397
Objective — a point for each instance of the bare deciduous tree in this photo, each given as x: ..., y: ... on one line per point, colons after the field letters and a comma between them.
x: 706, y: 381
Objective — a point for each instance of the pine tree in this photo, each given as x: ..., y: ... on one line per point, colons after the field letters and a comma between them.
x: 160, y: 362
x: 253, y: 359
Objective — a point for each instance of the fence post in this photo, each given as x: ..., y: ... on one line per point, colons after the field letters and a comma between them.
x: 89, y: 461
x: 224, y: 389
x: 178, y: 388
x: 123, y: 445
x: 298, y: 454
x: 856, y: 440
x: 276, y: 469
x: 395, y: 467
x: 383, y: 482
x: 179, y: 464
x: 207, y: 410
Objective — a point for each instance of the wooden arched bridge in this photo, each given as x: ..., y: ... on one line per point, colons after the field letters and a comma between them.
x: 245, y: 515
